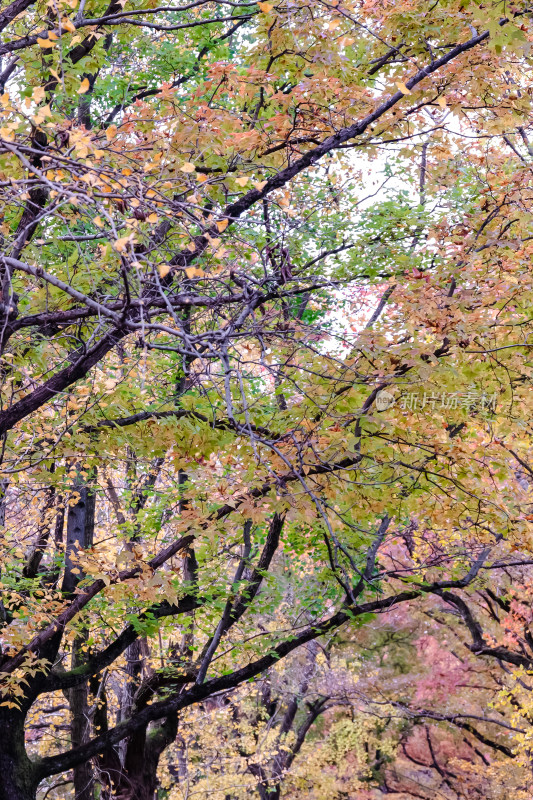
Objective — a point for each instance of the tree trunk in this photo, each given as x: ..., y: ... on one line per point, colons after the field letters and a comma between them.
x: 80, y: 532
x: 80, y: 727
x: 142, y: 759
x: 80, y: 536
x: 17, y: 775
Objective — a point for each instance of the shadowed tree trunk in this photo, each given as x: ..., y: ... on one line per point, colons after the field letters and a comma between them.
x: 17, y: 777
x: 80, y: 536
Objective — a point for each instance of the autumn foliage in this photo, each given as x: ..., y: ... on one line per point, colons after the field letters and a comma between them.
x: 265, y: 419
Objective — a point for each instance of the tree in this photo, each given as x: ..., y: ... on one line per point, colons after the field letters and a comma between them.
x: 401, y: 707
x: 187, y: 413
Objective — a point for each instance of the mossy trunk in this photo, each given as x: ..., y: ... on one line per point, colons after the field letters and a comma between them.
x: 17, y: 774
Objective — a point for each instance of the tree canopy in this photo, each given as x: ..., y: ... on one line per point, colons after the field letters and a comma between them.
x: 265, y: 333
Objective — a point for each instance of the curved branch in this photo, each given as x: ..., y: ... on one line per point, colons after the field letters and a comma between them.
x: 64, y: 761
x: 101, y: 660
x: 12, y: 11
x: 85, y: 596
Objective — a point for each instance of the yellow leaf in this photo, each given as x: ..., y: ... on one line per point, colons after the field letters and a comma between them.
x: 38, y: 94
x: 43, y: 113
x: 260, y: 185
x: 222, y: 224
x: 442, y: 102
x: 164, y: 269
x: 98, y: 222
x: 111, y: 132
x: 84, y: 86
x: 194, y: 272
x: 45, y: 42
x: 121, y: 244
x: 192, y: 198
x: 242, y: 181
x: 191, y: 246
x: 52, y: 35
x: 403, y: 88
x: 152, y: 217
x: 67, y: 25
x: 188, y: 167
x: 265, y: 7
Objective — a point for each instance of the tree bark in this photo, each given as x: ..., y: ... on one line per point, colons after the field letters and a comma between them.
x: 80, y: 728
x: 80, y: 536
x: 17, y: 775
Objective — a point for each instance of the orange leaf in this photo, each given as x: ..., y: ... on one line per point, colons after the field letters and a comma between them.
x: 194, y: 272
x: 67, y: 25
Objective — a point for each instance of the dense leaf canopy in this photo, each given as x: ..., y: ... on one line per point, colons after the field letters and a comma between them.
x: 265, y: 327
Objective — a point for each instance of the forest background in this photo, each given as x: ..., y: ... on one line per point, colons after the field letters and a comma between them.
x: 265, y: 419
